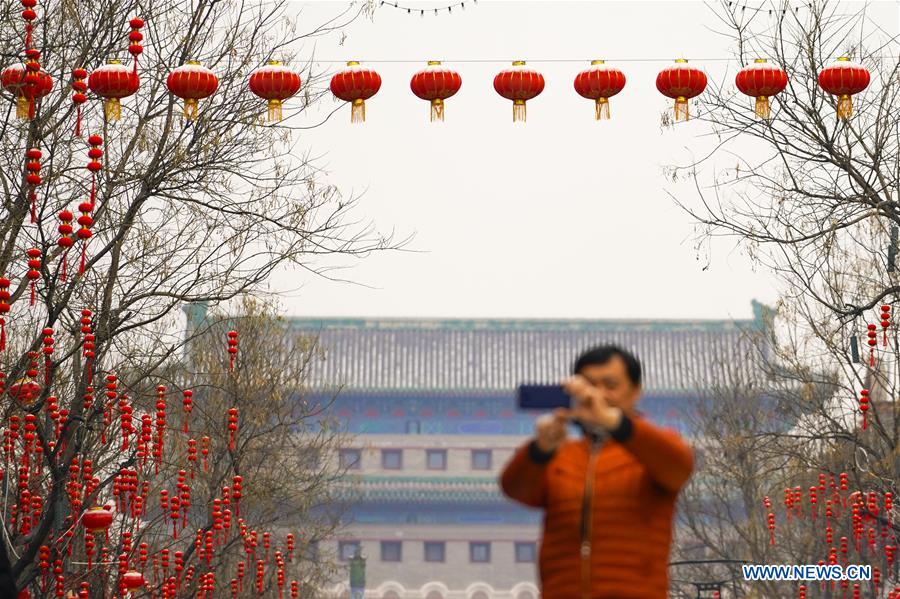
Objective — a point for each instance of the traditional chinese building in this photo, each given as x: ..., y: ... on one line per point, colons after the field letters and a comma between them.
x: 432, y: 406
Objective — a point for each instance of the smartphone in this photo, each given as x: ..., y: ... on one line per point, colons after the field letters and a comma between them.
x: 543, y: 397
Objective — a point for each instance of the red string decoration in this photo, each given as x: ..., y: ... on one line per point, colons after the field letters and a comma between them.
x: 48, y: 353
x: 84, y: 233
x: 236, y: 494
x: 232, y: 347
x: 36, y: 80
x: 79, y: 97
x: 885, y: 322
x: 160, y: 424
x: 873, y: 341
x: 34, y: 272
x: 4, y: 309
x: 65, y: 241
x: 204, y: 449
x: 94, y: 165
x: 232, y: 427
x: 864, y: 405
x: 29, y: 15
x: 33, y: 178
x: 135, y: 37
x: 88, y: 351
x: 188, y: 404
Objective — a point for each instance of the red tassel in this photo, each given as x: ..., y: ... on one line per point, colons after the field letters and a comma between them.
x: 884, y: 339
x: 93, y: 189
x: 232, y: 363
x: 31, y: 109
x: 864, y: 421
x: 84, y: 257
x: 2, y: 334
x: 28, y: 29
x: 65, y: 261
x: 32, y: 293
x: 47, y: 371
x: 78, y: 120
x: 33, y: 198
x: 90, y: 371
x: 872, y: 358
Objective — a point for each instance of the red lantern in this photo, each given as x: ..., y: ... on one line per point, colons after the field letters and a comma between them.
x: 885, y: 322
x: 600, y: 83
x: 192, y: 82
x: 94, y: 165
x: 48, y: 353
x: 97, y: 520
x: 132, y: 580
x: 761, y: 80
x: 864, y: 405
x: 873, y: 341
x: 232, y: 348
x: 28, y: 83
x: 79, y: 87
x: 25, y: 391
x: 65, y: 241
x: 29, y: 15
x: 435, y: 84
x: 135, y: 37
x: 519, y: 84
x: 188, y: 404
x: 681, y: 82
x: 356, y: 84
x: 33, y: 178
x: 275, y: 83
x: 771, y: 519
x: 4, y: 309
x: 34, y: 273
x: 113, y: 82
x: 84, y: 233
x: 843, y: 79
x: 232, y: 426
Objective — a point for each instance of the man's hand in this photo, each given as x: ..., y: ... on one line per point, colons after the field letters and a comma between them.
x: 590, y: 405
x: 550, y: 430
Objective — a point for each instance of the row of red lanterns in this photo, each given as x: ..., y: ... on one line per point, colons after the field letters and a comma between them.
x: 601, y: 82
x: 276, y: 82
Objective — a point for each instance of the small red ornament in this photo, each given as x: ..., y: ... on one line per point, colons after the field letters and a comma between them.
x: 771, y: 519
x: 204, y: 450
x: 84, y: 233
x: 843, y: 79
x: 885, y: 322
x: 135, y: 37
x: 88, y: 351
x: 65, y: 241
x: 356, y: 84
x: 436, y: 84
x: 276, y: 83
x: 29, y: 15
x: 864, y: 405
x: 34, y: 272
x: 519, y: 84
x: 232, y: 348
x: 33, y: 178
x: 94, y: 165
x: 232, y: 427
x: 188, y: 404
x: 48, y: 353
x: 79, y: 95
x: 192, y: 82
x: 681, y: 82
x: 600, y: 83
x: 873, y: 341
x: 761, y: 80
x: 113, y: 82
x: 4, y: 309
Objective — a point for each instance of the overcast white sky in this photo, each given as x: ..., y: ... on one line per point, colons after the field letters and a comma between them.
x: 562, y: 217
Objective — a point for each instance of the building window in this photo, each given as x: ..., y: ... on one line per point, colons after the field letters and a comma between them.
x: 525, y: 552
x: 391, y: 551
x: 392, y: 459
x: 480, y: 553
x: 434, y: 551
x: 481, y: 459
x: 437, y: 459
x: 347, y: 549
x: 413, y: 427
x: 351, y: 459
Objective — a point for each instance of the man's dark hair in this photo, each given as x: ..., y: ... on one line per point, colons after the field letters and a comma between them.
x: 603, y: 354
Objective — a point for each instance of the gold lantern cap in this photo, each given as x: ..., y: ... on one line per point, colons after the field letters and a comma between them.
x: 760, y: 60
x: 598, y: 62
x: 352, y: 63
x: 518, y: 63
x: 432, y: 63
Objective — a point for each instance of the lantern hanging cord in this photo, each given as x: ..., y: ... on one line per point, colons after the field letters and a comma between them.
x: 667, y: 59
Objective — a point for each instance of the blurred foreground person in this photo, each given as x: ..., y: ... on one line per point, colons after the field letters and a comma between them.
x: 609, y: 497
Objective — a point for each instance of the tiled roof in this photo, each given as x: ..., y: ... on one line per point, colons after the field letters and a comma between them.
x: 421, y: 355
x: 427, y: 489
x: 497, y: 355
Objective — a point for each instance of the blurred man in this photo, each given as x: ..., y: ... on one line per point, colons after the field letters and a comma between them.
x: 609, y: 497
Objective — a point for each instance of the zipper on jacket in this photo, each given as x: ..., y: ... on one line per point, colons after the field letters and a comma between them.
x: 586, y: 518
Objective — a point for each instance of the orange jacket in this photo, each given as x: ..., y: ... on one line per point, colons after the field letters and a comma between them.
x: 622, y: 550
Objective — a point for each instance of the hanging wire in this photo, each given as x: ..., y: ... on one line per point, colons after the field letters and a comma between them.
x: 410, y: 10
